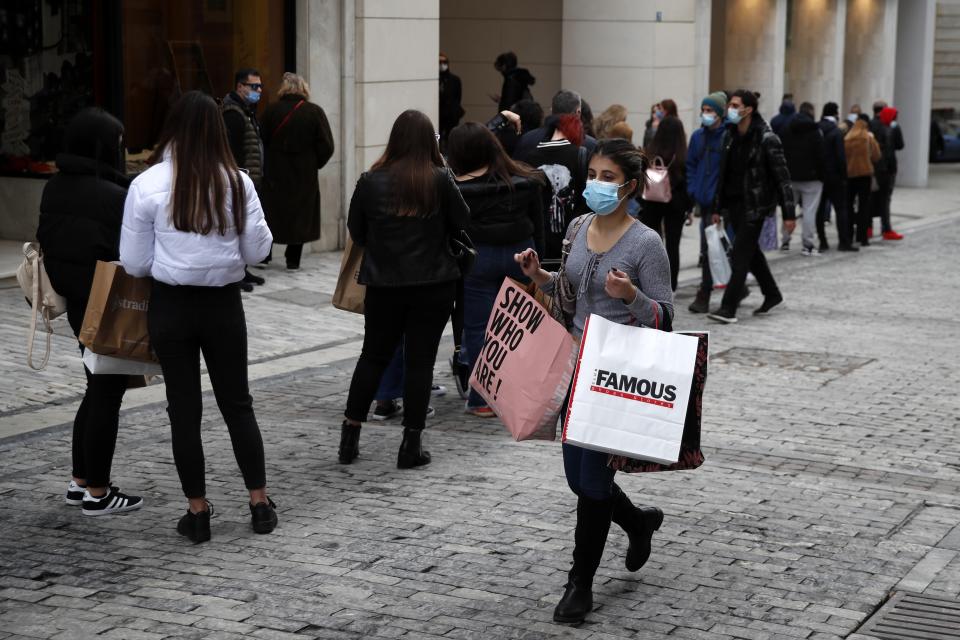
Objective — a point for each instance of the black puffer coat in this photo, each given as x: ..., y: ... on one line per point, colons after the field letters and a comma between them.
x: 81, y: 210
x: 501, y: 215
x: 803, y: 147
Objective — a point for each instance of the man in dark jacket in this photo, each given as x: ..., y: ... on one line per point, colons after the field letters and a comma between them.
x: 451, y: 95
x: 564, y: 102
x: 753, y: 180
x: 516, y: 81
x: 803, y: 149
x: 885, y: 129
x: 788, y: 111
x: 243, y: 133
x: 834, y: 180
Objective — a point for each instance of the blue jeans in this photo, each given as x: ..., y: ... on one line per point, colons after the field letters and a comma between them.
x: 480, y: 287
x: 391, y: 384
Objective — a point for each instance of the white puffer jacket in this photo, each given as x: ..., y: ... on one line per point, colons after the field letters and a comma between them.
x: 151, y: 246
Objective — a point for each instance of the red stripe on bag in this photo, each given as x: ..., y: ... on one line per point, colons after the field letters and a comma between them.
x: 576, y: 374
x: 630, y: 396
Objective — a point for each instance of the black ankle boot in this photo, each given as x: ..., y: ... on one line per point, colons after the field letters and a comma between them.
x: 411, y: 452
x: 593, y: 524
x: 196, y: 526
x: 349, y: 442
x: 639, y: 523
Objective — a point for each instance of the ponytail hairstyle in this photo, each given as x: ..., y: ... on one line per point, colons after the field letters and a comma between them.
x: 629, y: 158
x: 205, y: 175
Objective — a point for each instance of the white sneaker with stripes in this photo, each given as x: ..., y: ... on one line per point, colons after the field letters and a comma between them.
x: 113, y: 502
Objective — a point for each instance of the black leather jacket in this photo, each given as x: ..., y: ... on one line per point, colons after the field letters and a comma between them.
x: 500, y: 215
x: 405, y: 250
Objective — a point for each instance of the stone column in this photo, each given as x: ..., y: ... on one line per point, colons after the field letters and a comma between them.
x: 633, y: 53
x: 914, y: 87
x: 814, y: 55
x: 870, y: 52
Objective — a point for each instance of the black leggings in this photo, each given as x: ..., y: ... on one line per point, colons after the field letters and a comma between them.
x: 415, y: 315
x: 652, y: 214
x: 183, y: 322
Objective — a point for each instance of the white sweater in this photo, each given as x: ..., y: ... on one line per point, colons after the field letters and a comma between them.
x: 151, y: 246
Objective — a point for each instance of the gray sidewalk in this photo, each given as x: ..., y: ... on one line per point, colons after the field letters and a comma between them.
x: 831, y: 482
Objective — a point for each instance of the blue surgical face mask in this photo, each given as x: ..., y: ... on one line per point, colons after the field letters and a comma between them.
x: 253, y: 97
x: 708, y: 119
x: 852, y: 117
x: 658, y: 114
x: 733, y: 115
x: 602, y: 197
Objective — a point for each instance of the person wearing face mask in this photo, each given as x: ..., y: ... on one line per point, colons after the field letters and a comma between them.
x: 753, y: 180
x: 239, y: 109
x: 850, y: 119
x: 834, y: 180
x: 658, y: 112
x: 451, y: 93
x: 618, y: 269
x: 703, y: 171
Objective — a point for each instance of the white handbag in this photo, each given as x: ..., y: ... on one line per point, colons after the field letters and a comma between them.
x: 658, y: 187
x: 719, y: 261
x: 45, y: 303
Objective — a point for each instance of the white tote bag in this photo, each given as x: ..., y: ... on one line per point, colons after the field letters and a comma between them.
x: 111, y: 365
x: 46, y: 304
x: 717, y: 245
x: 630, y: 391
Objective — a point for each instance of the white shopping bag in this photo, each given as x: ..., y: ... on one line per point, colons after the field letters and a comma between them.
x: 630, y: 391
x: 717, y: 244
x: 110, y: 365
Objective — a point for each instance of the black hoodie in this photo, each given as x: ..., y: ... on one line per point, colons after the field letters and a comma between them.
x: 516, y: 87
x: 803, y: 148
x: 81, y: 210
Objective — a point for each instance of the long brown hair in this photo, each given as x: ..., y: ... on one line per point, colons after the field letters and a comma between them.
x: 670, y: 143
x: 205, y: 173
x: 412, y: 157
x: 472, y: 146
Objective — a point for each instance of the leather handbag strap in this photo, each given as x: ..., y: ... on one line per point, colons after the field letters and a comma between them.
x: 287, y: 117
x: 35, y: 311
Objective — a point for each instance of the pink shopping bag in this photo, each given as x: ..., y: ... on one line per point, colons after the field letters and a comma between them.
x: 524, y: 369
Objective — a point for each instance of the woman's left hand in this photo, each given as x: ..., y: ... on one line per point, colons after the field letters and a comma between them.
x: 618, y: 286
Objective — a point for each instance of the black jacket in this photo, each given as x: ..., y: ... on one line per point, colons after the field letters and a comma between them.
x: 500, y: 215
x: 803, y: 148
x: 530, y: 139
x: 451, y: 94
x: 516, y: 87
x: 766, y: 179
x: 835, y: 155
x: 405, y: 250
x: 81, y: 212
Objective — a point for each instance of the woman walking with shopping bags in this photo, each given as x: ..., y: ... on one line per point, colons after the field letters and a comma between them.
x: 616, y: 268
x: 80, y: 215
x: 404, y: 211
x: 506, y: 217
x: 193, y: 222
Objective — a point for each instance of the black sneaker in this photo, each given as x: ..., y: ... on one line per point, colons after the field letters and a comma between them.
x: 249, y: 278
x: 461, y: 375
x: 263, y: 516
x: 112, y: 502
x: 387, y: 410
x: 785, y: 246
x: 438, y: 390
x: 824, y: 246
x: 246, y: 286
x: 847, y: 247
x: 768, y: 303
x: 723, y: 315
x: 196, y: 526
x: 75, y: 493
x: 700, y: 304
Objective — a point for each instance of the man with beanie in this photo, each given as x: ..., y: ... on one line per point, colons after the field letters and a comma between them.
x: 703, y: 170
x: 834, y: 180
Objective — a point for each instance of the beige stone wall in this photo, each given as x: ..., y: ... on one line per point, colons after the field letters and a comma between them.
x: 474, y: 33
x: 618, y: 52
x: 946, y: 57
x: 814, y: 53
x: 870, y: 52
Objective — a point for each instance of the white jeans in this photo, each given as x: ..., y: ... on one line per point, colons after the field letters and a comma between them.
x: 808, y: 193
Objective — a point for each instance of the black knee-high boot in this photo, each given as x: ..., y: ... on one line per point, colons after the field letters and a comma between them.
x: 593, y: 524
x: 639, y: 523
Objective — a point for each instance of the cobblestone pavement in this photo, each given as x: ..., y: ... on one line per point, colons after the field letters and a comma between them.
x: 831, y: 434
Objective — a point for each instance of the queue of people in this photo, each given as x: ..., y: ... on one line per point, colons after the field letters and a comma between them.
x: 521, y: 192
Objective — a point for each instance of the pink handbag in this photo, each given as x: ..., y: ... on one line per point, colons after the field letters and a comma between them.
x: 658, y: 188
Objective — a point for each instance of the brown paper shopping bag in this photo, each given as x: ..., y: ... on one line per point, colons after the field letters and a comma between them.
x: 115, y: 323
x: 349, y: 294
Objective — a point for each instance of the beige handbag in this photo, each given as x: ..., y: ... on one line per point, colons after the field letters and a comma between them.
x: 349, y: 294
x: 46, y: 303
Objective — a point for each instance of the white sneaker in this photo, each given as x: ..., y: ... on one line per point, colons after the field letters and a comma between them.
x: 810, y: 251
x: 438, y: 390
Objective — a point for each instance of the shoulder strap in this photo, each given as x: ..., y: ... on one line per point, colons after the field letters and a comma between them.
x: 287, y: 117
x: 35, y: 312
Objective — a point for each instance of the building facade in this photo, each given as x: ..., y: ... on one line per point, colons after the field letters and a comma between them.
x: 367, y: 60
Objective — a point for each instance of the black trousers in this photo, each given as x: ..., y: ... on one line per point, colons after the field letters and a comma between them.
x: 292, y: 253
x: 653, y: 215
x: 98, y: 418
x: 858, y: 190
x: 881, y: 200
x: 183, y: 323
x: 746, y: 256
x: 835, y: 193
x: 415, y: 315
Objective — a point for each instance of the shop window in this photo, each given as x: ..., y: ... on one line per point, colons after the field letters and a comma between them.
x: 133, y: 58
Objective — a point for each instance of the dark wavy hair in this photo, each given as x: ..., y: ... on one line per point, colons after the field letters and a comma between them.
x: 670, y: 143
x: 472, y: 146
x: 205, y: 173
x: 412, y: 158
x: 629, y: 158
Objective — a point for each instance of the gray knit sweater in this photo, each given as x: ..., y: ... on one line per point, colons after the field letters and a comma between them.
x: 640, y: 254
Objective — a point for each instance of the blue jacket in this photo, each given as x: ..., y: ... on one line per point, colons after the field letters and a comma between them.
x: 703, y: 165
